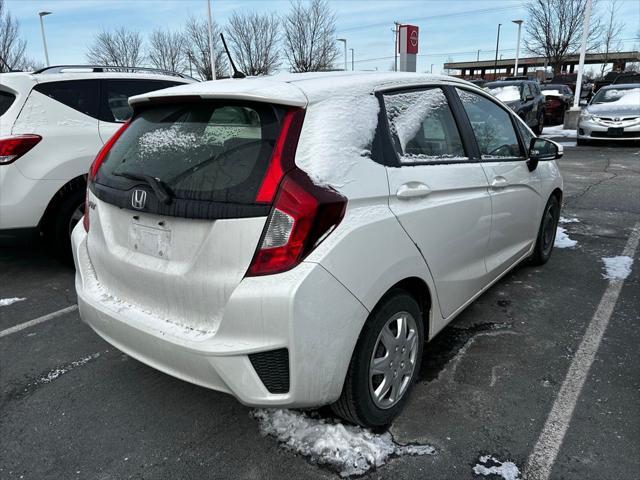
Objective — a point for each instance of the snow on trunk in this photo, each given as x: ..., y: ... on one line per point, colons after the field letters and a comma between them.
x: 347, y: 449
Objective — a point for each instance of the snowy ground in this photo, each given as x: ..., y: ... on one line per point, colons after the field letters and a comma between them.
x: 558, y: 131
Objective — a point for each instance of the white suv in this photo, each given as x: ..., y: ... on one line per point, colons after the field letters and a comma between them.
x: 295, y: 240
x: 52, y: 124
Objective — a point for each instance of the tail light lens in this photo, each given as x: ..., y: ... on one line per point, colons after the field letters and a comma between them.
x: 12, y: 148
x: 302, y: 216
x: 95, y: 166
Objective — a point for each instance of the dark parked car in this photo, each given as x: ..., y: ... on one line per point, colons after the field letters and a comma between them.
x: 524, y: 98
x: 558, y: 99
x: 616, y: 78
x: 570, y: 79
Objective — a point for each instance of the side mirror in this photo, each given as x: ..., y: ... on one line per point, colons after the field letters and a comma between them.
x: 541, y: 149
x: 583, y: 102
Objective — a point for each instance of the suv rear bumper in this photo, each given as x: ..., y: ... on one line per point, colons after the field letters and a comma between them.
x: 263, y: 314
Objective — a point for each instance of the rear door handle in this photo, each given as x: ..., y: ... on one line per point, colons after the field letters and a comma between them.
x: 413, y: 190
x: 499, y: 182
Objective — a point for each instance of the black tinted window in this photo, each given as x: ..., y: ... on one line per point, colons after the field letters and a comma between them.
x: 200, y: 151
x: 81, y: 95
x: 491, y: 125
x: 115, y: 106
x: 423, y: 126
x: 6, y: 99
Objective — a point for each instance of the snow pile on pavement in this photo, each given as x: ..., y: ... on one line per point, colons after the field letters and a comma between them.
x: 5, y: 302
x: 490, y: 465
x: 563, y: 240
x: 347, y: 449
x: 569, y: 220
x: 617, y: 268
x: 558, y: 131
x: 58, y: 372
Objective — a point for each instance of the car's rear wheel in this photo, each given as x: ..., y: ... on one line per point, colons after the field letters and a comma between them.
x: 540, y: 125
x: 384, y: 364
x: 547, y: 232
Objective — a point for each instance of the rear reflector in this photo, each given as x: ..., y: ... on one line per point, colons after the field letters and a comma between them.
x: 95, y: 166
x: 12, y: 148
x: 301, y: 218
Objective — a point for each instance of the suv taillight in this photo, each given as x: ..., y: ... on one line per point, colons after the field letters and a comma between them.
x: 15, y: 146
x: 95, y: 166
x: 303, y: 214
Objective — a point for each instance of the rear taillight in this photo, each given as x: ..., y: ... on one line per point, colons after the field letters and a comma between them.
x: 95, y: 166
x: 15, y: 146
x: 302, y: 216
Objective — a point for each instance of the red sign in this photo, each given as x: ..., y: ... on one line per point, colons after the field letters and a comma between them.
x: 408, y: 39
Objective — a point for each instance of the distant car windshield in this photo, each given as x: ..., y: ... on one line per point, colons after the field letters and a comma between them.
x: 622, y: 96
x: 506, y: 93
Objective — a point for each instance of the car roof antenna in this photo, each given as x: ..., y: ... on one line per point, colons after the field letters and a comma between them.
x: 236, y: 73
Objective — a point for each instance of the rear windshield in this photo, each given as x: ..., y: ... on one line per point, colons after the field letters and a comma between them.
x: 200, y: 151
x: 6, y: 99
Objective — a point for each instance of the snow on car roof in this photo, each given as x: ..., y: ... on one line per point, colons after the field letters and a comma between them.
x: 298, y: 89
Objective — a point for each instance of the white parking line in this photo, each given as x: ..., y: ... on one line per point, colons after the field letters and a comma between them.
x: 546, y: 449
x: 38, y: 320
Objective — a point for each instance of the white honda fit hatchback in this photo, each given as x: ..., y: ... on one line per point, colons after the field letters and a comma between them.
x: 295, y: 240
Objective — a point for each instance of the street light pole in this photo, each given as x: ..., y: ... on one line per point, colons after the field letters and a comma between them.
x: 212, y: 59
x: 495, y: 64
x: 395, y: 47
x: 583, y: 49
x: 352, y: 61
x: 519, y: 23
x: 478, y: 56
x: 344, y: 40
x: 44, y: 40
x: 431, y: 71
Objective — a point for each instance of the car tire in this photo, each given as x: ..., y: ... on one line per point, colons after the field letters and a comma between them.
x: 547, y: 232
x: 359, y: 403
x: 68, y: 214
x: 581, y: 142
x: 540, y: 125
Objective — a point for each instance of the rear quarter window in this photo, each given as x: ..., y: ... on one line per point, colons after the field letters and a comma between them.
x: 81, y: 95
x: 6, y: 100
x: 205, y: 151
x: 115, y: 99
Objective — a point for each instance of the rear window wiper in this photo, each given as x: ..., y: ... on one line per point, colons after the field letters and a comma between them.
x: 162, y: 192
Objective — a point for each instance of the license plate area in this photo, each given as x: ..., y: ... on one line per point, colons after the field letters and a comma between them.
x: 615, y: 131
x: 152, y: 241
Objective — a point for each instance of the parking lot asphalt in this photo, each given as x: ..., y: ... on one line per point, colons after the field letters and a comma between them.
x: 72, y: 406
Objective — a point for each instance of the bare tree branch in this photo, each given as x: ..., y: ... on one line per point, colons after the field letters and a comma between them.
x: 118, y: 48
x: 309, y: 38
x: 196, y: 47
x: 12, y: 46
x: 611, y: 33
x: 554, y: 29
x: 254, y: 42
x: 165, y: 50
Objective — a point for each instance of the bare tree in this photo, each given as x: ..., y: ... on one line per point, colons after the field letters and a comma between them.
x: 309, y: 39
x: 554, y: 29
x: 196, y: 47
x: 611, y: 33
x: 166, y: 50
x: 118, y: 48
x: 12, y: 46
x: 254, y: 42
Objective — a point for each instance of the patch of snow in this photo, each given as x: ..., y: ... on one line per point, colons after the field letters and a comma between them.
x: 569, y: 220
x: 558, y: 131
x: 161, y: 139
x: 508, y: 93
x: 4, y: 302
x: 617, y: 268
x: 490, y: 465
x: 336, y: 135
x: 563, y: 240
x: 349, y: 450
x: 567, y: 144
x: 58, y: 372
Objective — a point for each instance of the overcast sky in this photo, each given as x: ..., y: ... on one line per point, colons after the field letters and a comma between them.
x: 452, y: 28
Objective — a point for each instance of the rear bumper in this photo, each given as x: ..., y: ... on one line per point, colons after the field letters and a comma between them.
x: 307, y: 311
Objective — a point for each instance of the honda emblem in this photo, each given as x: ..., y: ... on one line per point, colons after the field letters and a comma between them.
x: 138, y: 199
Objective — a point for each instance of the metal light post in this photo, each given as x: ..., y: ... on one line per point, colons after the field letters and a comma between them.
x: 583, y: 49
x: 495, y: 63
x: 211, y: 57
x: 44, y: 40
x: 478, y: 56
x: 431, y: 71
x: 352, y: 61
x: 344, y: 40
x: 519, y: 23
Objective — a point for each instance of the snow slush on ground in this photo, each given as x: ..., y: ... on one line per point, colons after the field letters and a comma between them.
x: 617, y: 268
x: 5, y: 302
x: 569, y: 220
x: 563, y: 240
x: 490, y: 465
x: 349, y: 450
x: 558, y: 131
